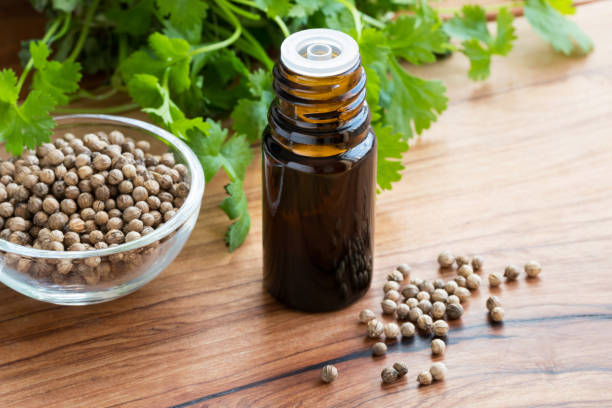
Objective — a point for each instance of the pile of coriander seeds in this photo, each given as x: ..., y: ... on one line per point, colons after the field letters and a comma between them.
x: 78, y: 194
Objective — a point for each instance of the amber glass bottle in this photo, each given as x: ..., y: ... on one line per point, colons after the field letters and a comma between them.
x: 319, y: 175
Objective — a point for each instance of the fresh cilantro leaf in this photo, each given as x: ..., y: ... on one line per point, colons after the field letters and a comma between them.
x: 416, y: 39
x: 52, y: 77
x: 563, y: 34
x: 250, y: 116
x: 414, y: 102
x: 373, y: 93
x: 373, y: 46
x: 305, y: 8
x: 8, y: 87
x: 274, y: 8
x: 236, y: 208
x: 390, y: 149
x: 192, y: 35
x: 65, y: 5
x: 184, y: 14
x: 134, y: 19
x: 174, y: 52
x: 141, y: 62
x: 479, y: 45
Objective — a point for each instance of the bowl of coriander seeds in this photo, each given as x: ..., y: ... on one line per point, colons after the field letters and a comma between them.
x: 97, y: 212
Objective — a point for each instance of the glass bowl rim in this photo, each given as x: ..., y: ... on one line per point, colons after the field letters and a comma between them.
x: 192, y: 202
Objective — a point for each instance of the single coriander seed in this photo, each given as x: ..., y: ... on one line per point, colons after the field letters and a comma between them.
x: 414, y: 314
x: 465, y: 270
x: 329, y: 373
x: 494, y: 279
x: 379, y: 348
x: 395, y: 276
x: 533, y: 269
x: 460, y: 280
x: 390, y: 285
x: 401, y: 368
x: 389, y: 375
x: 402, y: 311
x: 366, y: 315
x: 439, y: 283
x: 453, y: 299
x: 438, y: 310
x: 412, y: 302
x: 438, y: 346
x: 374, y: 328
x: 512, y: 272
x: 424, y: 378
x: 463, y: 294
x: 438, y: 371
x: 423, y: 296
x: 393, y: 295
x: 450, y: 287
x: 477, y: 262
x: 425, y: 305
x: 410, y: 291
x: 391, y: 330
x: 407, y: 329
x: 472, y: 282
x: 439, y: 295
x: 388, y: 306
x: 492, y: 302
x: 426, y: 286
x: 446, y: 259
x: 454, y: 311
x: 497, y: 314
x: 440, y: 328
x: 404, y: 269
x: 424, y: 323
x: 462, y: 260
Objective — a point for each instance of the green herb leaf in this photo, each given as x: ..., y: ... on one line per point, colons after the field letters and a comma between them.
x: 65, y: 5
x: 52, y: 77
x: 563, y: 34
x: 274, y: 8
x: 183, y: 13
x: 250, y: 116
x: 390, y: 149
x: 235, y: 206
x: 416, y: 39
x: 174, y: 52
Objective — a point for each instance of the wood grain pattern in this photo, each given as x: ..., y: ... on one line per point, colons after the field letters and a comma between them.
x: 519, y: 167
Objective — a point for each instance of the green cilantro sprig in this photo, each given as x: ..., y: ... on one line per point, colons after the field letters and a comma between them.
x: 188, y: 63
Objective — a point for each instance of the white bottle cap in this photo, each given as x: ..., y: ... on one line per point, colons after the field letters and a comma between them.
x: 319, y: 52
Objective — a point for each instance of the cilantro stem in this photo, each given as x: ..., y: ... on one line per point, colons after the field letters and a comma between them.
x: 83, y: 35
x: 282, y: 26
x: 30, y: 63
x: 243, y: 13
x: 227, y: 42
x: 372, y: 21
x: 62, y: 31
x: 111, y: 109
x: 355, y: 13
x: 83, y: 94
x: 246, y: 3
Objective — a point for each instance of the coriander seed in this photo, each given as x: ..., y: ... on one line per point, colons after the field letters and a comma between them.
x: 388, y: 306
x: 390, y: 285
x: 424, y: 378
x: 410, y: 291
x: 414, y: 314
x: 465, y: 270
x: 407, y: 329
x: 391, y: 331
x: 402, y: 311
x: 512, y: 272
x: 477, y: 262
x: 439, y: 295
x: 494, y: 280
x: 438, y: 346
x: 438, y: 371
x: 329, y: 373
x: 440, y: 328
x: 374, y: 328
x: 450, y: 287
x: 446, y: 259
x: 379, y: 348
x: 533, y: 269
x: 497, y: 314
x: 439, y: 283
x: 426, y: 286
x: 438, y: 310
x: 454, y: 311
x: 472, y: 282
x: 393, y: 295
x: 389, y: 375
x: 412, y: 302
x: 425, y: 306
x: 423, y: 296
x: 424, y: 323
x: 366, y: 315
x: 395, y: 276
x: 460, y: 281
x: 404, y: 269
x: 462, y: 260
x: 453, y: 299
x: 463, y: 294
x: 401, y: 368
x: 492, y: 302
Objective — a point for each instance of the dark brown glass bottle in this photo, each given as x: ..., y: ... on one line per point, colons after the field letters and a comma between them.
x: 319, y: 176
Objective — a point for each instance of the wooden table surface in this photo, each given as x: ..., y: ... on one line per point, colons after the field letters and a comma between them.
x: 519, y: 167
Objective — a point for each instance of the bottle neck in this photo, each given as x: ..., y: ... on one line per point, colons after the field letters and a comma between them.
x: 319, y: 117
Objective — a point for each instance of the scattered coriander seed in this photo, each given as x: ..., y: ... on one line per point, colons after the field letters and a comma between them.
x: 393, y: 295
x: 472, y: 282
x: 426, y: 286
x: 463, y: 294
x: 390, y: 285
x: 477, y: 262
x: 425, y: 306
x: 462, y: 260
x: 438, y: 371
x: 439, y: 283
x: 391, y: 330
x: 450, y: 287
x: 412, y: 302
x: 440, y: 328
x: 492, y: 302
x: 512, y: 272
x: 423, y: 296
x: 465, y: 270
x: 401, y: 368
x: 416, y: 281
x: 395, y: 276
x: 454, y: 311
x: 438, y: 346
x: 410, y: 291
x: 329, y: 373
x: 414, y: 314
x: 497, y: 314
x: 424, y: 378
x: 379, y: 348
x: 460, y: 281
x: 388, y: 306
x: 407, y: 329
x: 366, y: 315
x: 404, y: 269
x: 453, y: 299
x: 533, y: 269
x: 374, y: 328
x: 439, y: 295
x: 446, y: 259
x: 402, y: 311
x: 424, y: 323
x: 389, y: 375
x: 494, y: 280
x: 438, y: 310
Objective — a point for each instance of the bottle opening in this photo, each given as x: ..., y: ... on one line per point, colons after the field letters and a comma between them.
x: 319, y: 52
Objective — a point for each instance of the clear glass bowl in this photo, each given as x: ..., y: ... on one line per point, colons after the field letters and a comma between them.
x: 106, y: 274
